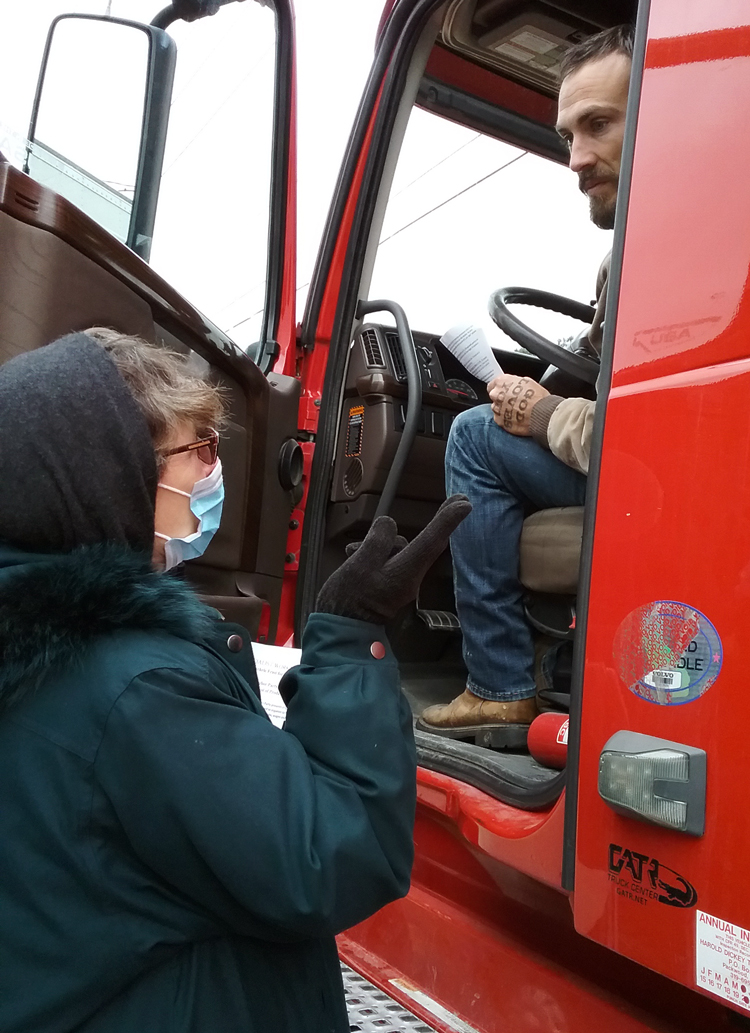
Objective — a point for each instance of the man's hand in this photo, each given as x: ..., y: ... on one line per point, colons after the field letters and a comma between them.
x: 512, y: 399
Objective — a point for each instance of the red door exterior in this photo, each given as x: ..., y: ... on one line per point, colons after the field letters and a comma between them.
x: 672, y: 526
x: 673, y: 513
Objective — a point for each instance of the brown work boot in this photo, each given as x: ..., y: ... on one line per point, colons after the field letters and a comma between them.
x: 487, y: 722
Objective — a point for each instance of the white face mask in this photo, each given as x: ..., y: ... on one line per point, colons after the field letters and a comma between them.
x: 206, y: 502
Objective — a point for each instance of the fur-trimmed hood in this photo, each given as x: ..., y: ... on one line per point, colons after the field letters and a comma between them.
x: 53, y: 606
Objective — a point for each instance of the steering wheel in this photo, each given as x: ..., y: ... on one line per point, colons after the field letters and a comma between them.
x: 578, y: 365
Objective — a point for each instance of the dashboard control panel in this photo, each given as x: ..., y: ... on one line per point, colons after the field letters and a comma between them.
x: 373, y: 413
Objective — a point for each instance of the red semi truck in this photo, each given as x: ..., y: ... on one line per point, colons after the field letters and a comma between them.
x: 608, y: 896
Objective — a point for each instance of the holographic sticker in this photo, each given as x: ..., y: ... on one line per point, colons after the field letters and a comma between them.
x: 668, y: 652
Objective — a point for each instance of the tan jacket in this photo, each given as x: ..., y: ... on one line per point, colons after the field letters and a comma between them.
x: 564, y: 425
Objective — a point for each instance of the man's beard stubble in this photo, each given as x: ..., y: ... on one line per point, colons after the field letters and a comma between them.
x: 602, y: 212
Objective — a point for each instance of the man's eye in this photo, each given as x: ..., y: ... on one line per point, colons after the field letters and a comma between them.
x: 598, y: 125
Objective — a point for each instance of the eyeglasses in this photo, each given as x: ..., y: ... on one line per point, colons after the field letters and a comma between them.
x: 207, y: 448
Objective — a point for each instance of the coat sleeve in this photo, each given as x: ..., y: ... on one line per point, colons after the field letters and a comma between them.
x: 565, y: 425
x: 279, y: 834
x: 569, y: 432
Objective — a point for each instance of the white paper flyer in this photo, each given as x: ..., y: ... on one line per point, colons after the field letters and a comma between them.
x: 272, y: 663
x: 470, y: 346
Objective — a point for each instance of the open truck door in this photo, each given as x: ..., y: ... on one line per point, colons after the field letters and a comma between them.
x: 524, y: 875
x: 661, y: 837
x: 74, y: 233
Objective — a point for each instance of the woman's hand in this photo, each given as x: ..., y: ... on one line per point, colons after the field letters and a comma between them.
x: 383, y: 573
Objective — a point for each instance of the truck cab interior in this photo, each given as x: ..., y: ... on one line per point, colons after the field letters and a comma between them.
x: 488, y: 65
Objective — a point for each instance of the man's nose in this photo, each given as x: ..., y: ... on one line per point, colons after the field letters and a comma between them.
x: 581, y: 156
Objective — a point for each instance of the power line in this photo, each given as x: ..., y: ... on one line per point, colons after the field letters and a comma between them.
x: 244, y: 294
x: 202, y: 65
x: 442, y: 204
x: 398, y: 194
x: 452, y: 198
x: 260, y: 310
x: 437, y: 163
x: 223, y: 104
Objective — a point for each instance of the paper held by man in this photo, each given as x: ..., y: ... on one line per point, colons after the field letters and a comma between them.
x: 470, y: 346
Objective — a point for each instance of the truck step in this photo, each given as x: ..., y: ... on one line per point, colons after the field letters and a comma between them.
x: 372, y: 1011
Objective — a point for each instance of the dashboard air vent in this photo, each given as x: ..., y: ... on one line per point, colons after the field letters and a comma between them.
x: 397, y: 356
x: 372, y: 349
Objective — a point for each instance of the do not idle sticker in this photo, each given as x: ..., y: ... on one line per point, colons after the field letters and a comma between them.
x: 668, y: 652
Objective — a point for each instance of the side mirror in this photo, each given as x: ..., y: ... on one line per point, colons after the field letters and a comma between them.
x: 99, y: 122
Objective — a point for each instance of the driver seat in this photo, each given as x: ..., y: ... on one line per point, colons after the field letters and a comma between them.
x: 550, y: 556
x: 550, y: 551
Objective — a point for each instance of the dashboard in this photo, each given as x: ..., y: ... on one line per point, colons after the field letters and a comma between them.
x: 374, y: 408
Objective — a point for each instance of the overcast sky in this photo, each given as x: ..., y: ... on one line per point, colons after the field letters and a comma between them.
x: 466, y: 215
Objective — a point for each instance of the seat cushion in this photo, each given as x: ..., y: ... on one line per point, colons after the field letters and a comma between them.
x: 551, y: 550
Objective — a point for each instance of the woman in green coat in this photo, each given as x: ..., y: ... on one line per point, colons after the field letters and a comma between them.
x: 170, y: 862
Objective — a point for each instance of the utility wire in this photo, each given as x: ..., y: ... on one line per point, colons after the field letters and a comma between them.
x: 442, y: 204
x: 398, y: 194
x: 254, y: 314
x: 437, y: 163
x: 223, y: 104
x: 202, y: 65
x: 244, y: 294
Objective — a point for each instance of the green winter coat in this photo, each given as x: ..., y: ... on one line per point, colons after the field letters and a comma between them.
x: 170, y: 862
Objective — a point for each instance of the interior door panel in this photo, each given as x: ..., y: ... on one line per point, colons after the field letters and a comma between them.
x: 61, y: 272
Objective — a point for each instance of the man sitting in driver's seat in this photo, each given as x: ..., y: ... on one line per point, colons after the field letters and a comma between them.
x: 529, y: 449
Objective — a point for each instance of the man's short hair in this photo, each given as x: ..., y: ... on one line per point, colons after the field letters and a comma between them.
x: 617, y: 40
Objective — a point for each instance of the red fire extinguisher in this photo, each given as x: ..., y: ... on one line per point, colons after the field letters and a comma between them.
x: 548, y: 739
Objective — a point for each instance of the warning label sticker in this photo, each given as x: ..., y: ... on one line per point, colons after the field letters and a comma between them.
x: 722, y: 959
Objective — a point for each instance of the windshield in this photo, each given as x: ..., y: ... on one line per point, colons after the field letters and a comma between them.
x: 468, y: 214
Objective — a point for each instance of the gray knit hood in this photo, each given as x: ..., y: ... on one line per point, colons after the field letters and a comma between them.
x: 77, y: 465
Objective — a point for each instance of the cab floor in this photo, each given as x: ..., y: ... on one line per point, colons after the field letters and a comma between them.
x: 512, y: 776
x: 428, y: 683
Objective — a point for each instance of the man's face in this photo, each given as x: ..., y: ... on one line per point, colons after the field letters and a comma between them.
x: 591, y: 120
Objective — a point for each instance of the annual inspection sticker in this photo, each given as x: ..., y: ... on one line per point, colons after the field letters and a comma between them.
x: 668, y: 652
x: 722, y: 959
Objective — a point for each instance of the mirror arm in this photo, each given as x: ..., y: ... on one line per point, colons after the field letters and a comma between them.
x: 187, y: 11
x: 165, y: 18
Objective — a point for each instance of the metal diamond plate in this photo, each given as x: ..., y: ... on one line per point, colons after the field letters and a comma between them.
x: 372, y: 1011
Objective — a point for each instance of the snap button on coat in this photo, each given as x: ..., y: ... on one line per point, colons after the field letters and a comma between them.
x: 234, y: 643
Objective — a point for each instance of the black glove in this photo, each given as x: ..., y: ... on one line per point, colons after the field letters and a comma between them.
x: 384, y: 573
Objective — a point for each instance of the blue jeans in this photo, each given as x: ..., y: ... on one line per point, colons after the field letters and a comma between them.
x: 505, y: 478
